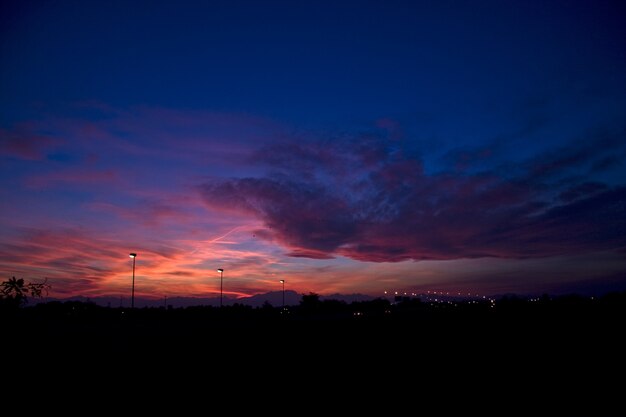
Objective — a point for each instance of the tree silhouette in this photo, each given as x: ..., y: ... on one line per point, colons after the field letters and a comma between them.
x: 310, y: 303
x: 14, y: 292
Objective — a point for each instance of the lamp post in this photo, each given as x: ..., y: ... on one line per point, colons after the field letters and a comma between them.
x: 132, y: 294
x: 282, y: 281
x: 221, y: 271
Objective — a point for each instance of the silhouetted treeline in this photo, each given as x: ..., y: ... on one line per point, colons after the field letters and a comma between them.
x: 312, y: 308
x: 546, y: 356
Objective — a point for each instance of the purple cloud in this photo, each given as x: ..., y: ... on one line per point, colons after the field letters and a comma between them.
x: 284, y: 205
x: 24, y: 142
x: 76, y: 176
x: 368, y: 199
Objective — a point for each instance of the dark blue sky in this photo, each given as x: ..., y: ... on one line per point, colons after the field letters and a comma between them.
x: 437, y: 144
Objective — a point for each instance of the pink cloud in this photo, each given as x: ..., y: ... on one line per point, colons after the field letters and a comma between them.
x: 90, y: 263
x: 387, y: 209
x: 79, y: 176
x: 147, y: 212
x: 25, y: 142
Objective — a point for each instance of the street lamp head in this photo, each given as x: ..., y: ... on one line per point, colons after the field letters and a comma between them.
x: 220, y: 270
x: 133, y: 255
x: 282, y: 281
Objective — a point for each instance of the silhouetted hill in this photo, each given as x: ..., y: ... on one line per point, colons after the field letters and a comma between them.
x: 348, y: 298
x: 275, y: 298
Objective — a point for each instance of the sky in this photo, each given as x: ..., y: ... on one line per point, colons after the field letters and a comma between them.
x: 342, y: 146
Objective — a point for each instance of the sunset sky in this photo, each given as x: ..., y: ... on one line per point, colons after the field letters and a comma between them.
x: 344, y: 146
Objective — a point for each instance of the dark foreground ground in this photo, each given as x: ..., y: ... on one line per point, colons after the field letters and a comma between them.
x: 551, y: 357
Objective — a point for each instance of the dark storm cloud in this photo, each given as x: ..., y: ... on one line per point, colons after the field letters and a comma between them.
x: 368, y: 199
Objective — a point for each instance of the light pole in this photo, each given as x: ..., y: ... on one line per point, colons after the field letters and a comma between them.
x: 282, y: 281
x: 132, y: 294
x: 221, y: 271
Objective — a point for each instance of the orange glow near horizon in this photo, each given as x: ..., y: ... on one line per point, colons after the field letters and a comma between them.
x: 99, y: 266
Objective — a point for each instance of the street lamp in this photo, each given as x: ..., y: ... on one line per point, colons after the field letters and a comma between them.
x: 282, y: 281
x: 221, y: 271
x: 132, y: 294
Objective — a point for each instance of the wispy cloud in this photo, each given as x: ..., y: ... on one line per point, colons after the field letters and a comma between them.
x: 95, y: 263
x: 26, y: 141
x: 80, y: 176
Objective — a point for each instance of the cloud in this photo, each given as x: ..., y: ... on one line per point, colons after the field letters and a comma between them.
x: 158, y: 135
x: 594, y: 152
x: 74, y: 262
x: 94, y: 262
x: 581, y: 190
x: 296, y: 212
x: 149, y: 212
x: 76, y: 176
x: 369, y: 199
x: 462, y: 159
x: 24, y: 142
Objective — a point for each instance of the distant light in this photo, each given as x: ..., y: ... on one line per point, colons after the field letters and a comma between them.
x: 282, y: 281
x: 220, y: 270
x: 133, y: 255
